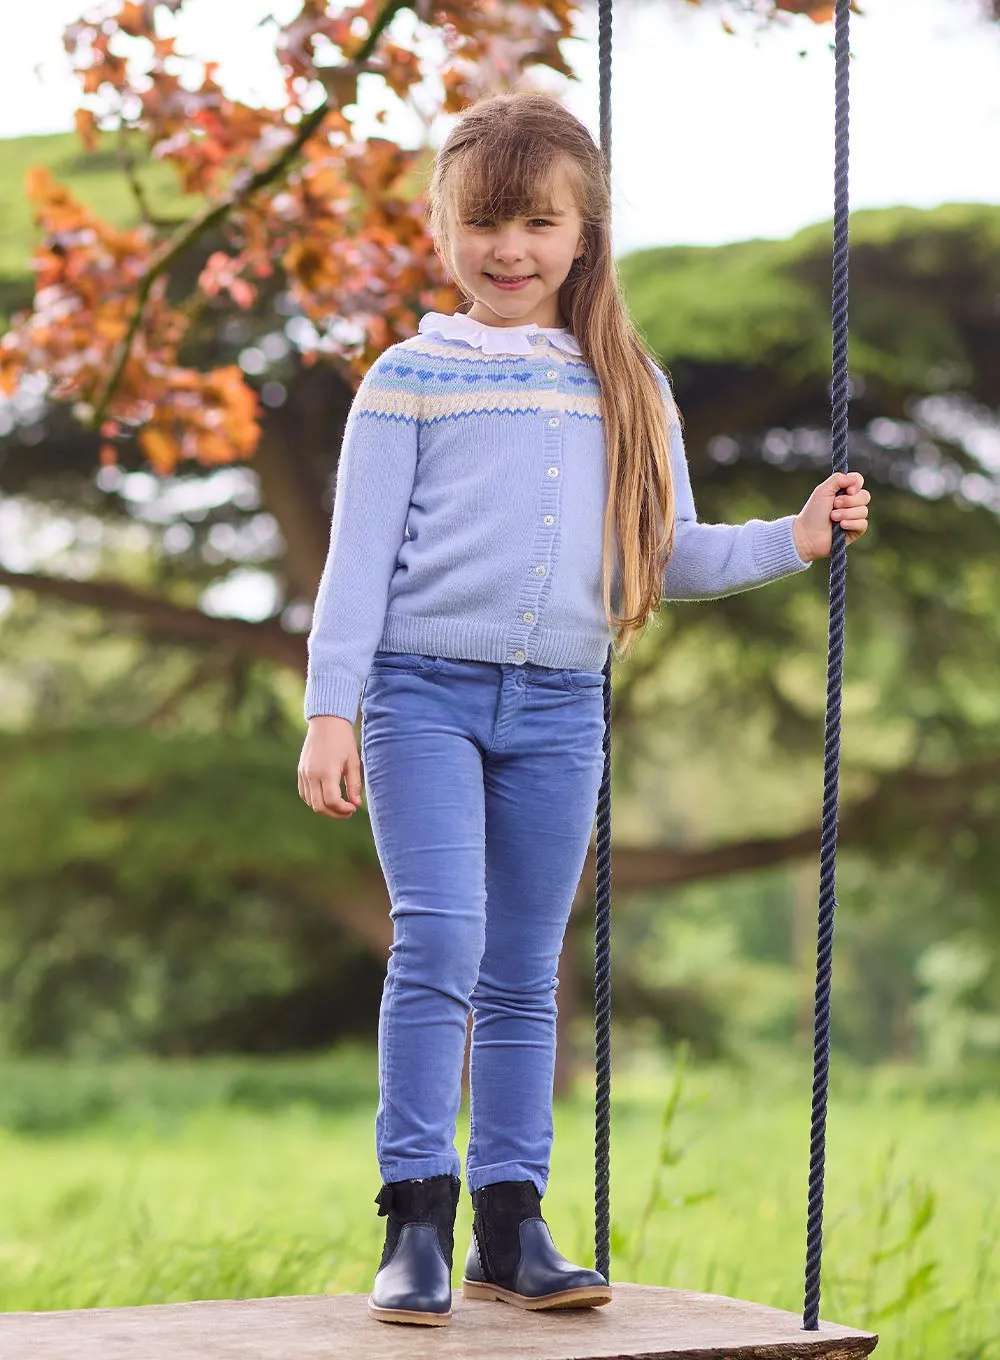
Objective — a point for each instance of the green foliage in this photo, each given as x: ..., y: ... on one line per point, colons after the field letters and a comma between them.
x: 955, y: 1014
x: 729, y: 967
x: 153, y: 803
x: 922, y: 283
x: 154, y: 884
x: 730, y: 715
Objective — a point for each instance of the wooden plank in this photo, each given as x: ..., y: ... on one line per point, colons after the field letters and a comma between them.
x: 640, y: 1323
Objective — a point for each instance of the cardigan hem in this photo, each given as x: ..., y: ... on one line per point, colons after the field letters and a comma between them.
x: 471, y: 640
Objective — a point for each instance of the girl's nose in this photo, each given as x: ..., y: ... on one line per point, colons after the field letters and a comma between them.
x: 508, y: 246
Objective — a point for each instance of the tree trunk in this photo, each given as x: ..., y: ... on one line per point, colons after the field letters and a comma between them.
x: 296, y: 461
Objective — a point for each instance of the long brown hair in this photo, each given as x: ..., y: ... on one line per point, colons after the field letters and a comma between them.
x: 498, y: 161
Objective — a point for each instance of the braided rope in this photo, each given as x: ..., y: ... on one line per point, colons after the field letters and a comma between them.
x: 839, y: 396
x: 604, y: 33
x: 602, y: 898
x: 602, y: 1001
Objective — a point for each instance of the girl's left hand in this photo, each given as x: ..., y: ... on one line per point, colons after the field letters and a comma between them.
x: 838, y: 500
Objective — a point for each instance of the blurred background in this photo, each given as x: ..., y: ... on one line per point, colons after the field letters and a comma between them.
x: 190, y: 960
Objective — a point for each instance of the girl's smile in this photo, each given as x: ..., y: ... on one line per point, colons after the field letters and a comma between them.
x: 510, y: 282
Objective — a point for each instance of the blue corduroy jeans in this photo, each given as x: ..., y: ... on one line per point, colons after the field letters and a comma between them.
x: 481, y: 781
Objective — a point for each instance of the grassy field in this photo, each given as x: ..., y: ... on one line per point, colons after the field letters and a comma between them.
x: 143, y: 1183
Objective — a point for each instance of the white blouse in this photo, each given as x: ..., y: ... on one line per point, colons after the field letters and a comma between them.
x: 495, y: 339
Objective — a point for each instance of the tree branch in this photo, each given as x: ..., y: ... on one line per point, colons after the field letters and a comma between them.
x: 127, y: 162
x: 901, y: 802
x: 361, y: 903
x: 246, y: 187
x: 266, y: 641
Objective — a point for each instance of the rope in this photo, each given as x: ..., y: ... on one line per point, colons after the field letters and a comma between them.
x: 602, y: 1000
x: 602, y: 898
x: 604, y: 8
x: 839, y: 395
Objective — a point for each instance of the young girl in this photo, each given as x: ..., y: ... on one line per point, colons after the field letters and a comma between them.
x: 512, y: 497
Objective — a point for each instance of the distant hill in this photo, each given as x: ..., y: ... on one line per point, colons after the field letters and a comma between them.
x: 95, y: 178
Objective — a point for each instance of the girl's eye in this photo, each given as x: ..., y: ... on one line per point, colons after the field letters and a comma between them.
x: 540, y: 222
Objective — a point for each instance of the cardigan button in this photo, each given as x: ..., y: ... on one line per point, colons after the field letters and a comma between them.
x: 519, y: 656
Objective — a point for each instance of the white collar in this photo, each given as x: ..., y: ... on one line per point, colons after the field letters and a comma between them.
x: 495, y: 339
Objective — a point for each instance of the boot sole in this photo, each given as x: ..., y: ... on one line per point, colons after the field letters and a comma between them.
x: 407, y: 1315
x: 587, y: 1296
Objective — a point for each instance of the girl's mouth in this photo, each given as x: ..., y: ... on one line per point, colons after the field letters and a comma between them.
x: 510, y: 283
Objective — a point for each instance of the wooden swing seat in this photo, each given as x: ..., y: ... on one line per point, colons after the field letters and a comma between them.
x: 640, y: 1323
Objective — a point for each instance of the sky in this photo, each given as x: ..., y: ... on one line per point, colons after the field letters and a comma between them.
x: 716, y: 137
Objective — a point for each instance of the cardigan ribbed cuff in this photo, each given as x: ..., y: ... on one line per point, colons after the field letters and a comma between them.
x: 332, y: 694
x: 775, y: 553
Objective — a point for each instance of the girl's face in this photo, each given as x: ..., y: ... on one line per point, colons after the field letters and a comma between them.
x: 513, y: 269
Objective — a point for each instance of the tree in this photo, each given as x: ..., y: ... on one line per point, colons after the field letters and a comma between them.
x: 292, y: 189
x: 129, y: 323
x: 137, y: 327
x: 718, y: 700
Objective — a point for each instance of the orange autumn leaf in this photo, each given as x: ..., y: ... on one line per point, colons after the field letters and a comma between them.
x: 110, y: 327
x: 39, y: 184
x: 160, y: 448
x: 820, y: 11
x: 339, y: 233
x: 210, y: 447
x: 132, y: 20
x: 86, y: 126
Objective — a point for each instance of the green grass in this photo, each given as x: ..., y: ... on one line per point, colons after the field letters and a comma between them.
x: 245, y: 1179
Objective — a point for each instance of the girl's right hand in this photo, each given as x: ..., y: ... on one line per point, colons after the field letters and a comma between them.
x: 329, y: 754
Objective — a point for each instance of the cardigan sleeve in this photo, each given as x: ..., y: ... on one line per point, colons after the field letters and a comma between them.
x: 712, y: 560
x: 375, y: 476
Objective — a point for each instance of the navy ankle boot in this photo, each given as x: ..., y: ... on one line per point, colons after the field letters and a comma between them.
x: 413, y: 1281
x: 513, y: 1259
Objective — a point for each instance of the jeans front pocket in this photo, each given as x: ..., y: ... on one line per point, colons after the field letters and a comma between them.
x: 586, y: 679
x: 416, y: 663
x: 567, y: 681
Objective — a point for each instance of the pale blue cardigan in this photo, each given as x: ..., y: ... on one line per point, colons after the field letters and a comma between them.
x: 469, y: 509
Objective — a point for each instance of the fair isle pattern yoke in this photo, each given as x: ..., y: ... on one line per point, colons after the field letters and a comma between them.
x: 417, y: 385
x: 468, y: 516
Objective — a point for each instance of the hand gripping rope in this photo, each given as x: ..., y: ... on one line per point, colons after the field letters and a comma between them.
x: 840, y: 394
